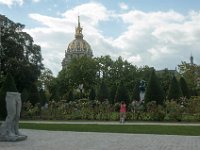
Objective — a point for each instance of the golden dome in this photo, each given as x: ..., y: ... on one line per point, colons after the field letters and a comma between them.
x: 78, y: 47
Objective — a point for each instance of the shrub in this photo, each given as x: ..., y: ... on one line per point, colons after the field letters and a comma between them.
x: 173, y: 110
x: 156, y: 112
x: 193, y: 105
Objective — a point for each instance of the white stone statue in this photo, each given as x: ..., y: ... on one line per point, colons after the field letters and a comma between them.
x: 142, y: 88
x: 9, y: 130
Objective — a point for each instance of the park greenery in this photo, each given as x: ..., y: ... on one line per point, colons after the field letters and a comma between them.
x: 130, y: 129
x: 92, y: 88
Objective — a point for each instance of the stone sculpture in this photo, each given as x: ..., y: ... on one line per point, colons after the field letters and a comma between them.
x: 9, y: 130
x: 142, y: 87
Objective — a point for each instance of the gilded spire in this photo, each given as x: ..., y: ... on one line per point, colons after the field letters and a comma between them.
x: 79, y: 26
x: 191, y: 60
x: 79, y: 30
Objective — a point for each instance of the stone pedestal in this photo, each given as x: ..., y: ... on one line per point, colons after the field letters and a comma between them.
x: 9, y: 130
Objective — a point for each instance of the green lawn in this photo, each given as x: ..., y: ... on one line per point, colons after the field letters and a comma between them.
x: 140, y: 129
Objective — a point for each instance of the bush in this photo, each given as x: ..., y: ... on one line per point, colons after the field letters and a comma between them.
x: 85, y: 109
x: 174, y: 111
x: 193, y: 105
x: 156, y: 112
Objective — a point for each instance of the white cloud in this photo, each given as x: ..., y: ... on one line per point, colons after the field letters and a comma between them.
x: 158, y: 36
x: 54, y: 24
x: 158, y: 39
x: 9, y: 3
x: 134, y: 59
x: 36, y: 1
x: 123, y: 6
x: 91, y: 12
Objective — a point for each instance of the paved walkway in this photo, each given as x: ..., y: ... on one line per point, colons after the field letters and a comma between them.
x: 65, y: 140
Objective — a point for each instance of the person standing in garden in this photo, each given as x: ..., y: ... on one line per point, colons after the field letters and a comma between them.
x: 122, y: 112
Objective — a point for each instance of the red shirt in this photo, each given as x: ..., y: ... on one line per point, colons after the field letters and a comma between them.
x: 123, y: 108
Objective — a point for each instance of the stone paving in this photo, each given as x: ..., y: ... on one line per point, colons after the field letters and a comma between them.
x: 65, y: 140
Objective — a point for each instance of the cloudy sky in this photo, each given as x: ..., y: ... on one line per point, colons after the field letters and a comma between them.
x: 157, y: 33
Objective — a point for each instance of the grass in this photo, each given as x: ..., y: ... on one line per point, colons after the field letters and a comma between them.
x: 137, y: 129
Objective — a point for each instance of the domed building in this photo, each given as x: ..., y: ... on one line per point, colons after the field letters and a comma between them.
x: 77, y: 48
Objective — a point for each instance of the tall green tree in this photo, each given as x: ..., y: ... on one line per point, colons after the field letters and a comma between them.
x: 57, y: 89
x: 190, y: 72
x: 43, y: 98
x: 20, y: 56
x: 61, y: 85
x: 24, y: 95
x: 136, y: 91
x: 104, y: 64
x: 184, y: 87
x: 45, y: 79
x: 82, y: 71
x: 165, y: 76
x: 45, y: 82
x: 123, y: 71
x: 144, y: 72
x: 154, y: 92
x: 34, y: 96
x: 70, y: 96
x: 92, y: 94
x: 174, y: 90
x: 103, y: 93
x: 8, y: 86
x: 122, y: 93
x: 113, y: 92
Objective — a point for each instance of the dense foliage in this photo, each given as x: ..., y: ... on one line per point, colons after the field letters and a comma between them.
x: 184, y: 88
x: 136, y: 92
x: 92, y: 94
x: 84, y: 109
x: 19, y: 56
x: 122, y: 94
x: 103, y: 93
x: 175, y: 91
x: 154, y: 92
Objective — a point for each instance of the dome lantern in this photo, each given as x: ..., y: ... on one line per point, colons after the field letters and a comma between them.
x: 78, y: 30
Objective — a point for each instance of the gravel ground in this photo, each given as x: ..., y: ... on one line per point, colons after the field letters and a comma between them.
x: 65, y: 140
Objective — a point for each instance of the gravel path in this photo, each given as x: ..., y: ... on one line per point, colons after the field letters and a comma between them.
x: 65, y: 140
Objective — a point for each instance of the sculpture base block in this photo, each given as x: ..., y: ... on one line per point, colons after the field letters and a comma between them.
x: 13, y: 138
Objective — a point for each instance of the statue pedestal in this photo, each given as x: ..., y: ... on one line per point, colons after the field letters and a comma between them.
x: 15, y: 138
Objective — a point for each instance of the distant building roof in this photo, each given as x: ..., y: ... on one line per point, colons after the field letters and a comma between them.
x: 173, y: 72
